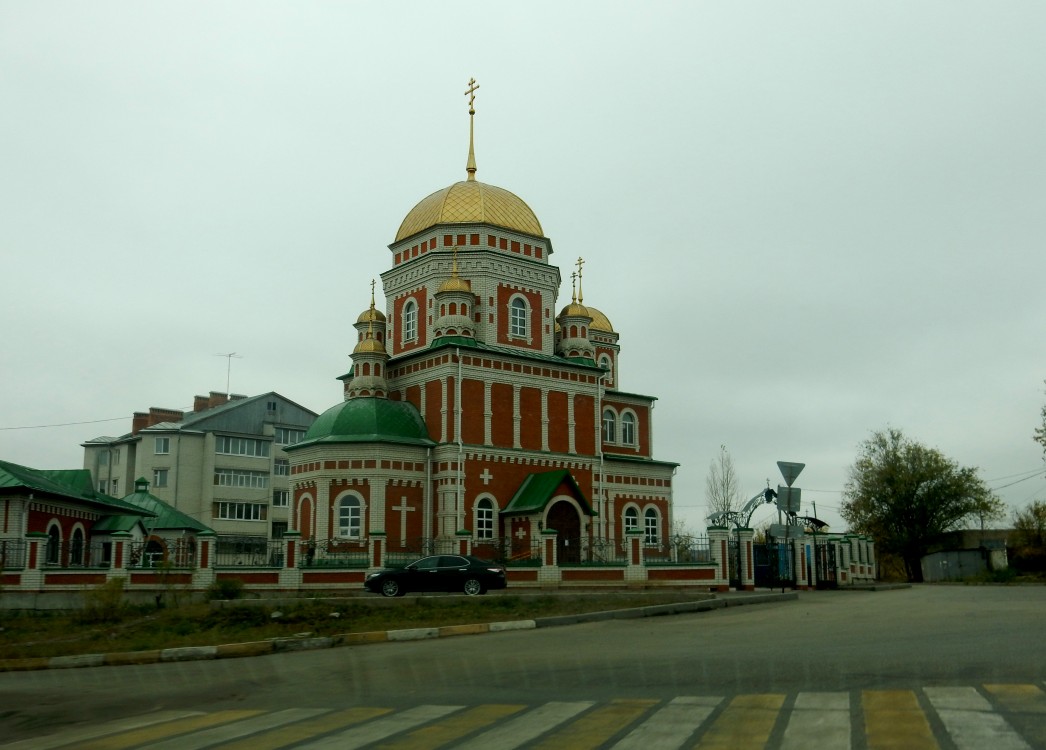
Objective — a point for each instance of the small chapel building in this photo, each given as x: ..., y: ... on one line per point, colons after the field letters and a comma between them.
x: 475, y: 406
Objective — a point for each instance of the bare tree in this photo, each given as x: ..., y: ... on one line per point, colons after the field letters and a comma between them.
x: 722, y: 485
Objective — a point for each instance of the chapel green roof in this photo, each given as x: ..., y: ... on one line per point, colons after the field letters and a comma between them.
x: 538, y: 489
x: 69, y: 484
x: 368, y: 420
x: 167, y: 516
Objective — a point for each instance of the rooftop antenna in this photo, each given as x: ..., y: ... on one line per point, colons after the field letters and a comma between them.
x: 228, y: 368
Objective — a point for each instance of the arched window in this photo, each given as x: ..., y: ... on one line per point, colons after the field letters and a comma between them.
x: 349, y: 518
x: 54, y: 544
x: 650, y: 527
x: 485, y: 519
x: 628, y: 428
x: 410, y: 321
x: 631, y: 519
x: 604, y: 362
x: 609, y: 426
x: 518, y: 317
x: 76, y: 547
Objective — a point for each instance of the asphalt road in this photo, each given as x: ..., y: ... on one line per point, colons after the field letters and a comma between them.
x: 902, y: 639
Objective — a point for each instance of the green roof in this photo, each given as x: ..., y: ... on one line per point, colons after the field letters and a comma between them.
x: 368, y: 420
x: 537, y: 489
x: 167, y: 516
x: 67, y: 484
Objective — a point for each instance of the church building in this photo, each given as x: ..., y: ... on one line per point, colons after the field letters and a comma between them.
x: 476, y: 406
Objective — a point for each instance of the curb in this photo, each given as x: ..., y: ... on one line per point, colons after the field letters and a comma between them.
x: 280, y: 645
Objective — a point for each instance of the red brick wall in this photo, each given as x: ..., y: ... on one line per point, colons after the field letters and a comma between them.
x: 472, y: 421
x: 558, y: 426
x: 501, y: 405
x: 585, y: 425
x: 433, y: 409
x: 530, y: 424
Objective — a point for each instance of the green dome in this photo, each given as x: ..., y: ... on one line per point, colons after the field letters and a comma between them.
x: 368, y: 420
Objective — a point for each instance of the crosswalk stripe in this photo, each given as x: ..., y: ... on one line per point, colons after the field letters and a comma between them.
x: 82, y: 734
x: 288, y: 735
x: 1028, y: 699
x: 379, y: 729
x: 516, y: 732
x: 671, y: 725
x: 746, y: 722
x: 820, y: 720
x: 444, y: 732
x: 1026, y: 705
x: 971, y: 721
x: 158, y: 731
x: 996, y: 717
x: 894, y: 719
x: 597, y: 726
x: 235, y: 731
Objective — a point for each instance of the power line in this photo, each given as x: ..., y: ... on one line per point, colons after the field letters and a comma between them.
x: 63, y: 424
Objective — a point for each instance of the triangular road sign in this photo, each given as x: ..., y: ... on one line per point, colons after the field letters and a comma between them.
x: 790, y: 470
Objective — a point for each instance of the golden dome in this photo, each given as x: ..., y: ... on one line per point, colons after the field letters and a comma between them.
x: 371, y: 314
x: 600, y: 322
x: 368, y: 346
x: 455, y: 284
x: 470, y: 201
x: 576, y: 310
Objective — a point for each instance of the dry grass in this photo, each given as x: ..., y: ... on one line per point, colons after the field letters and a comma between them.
x: 125, y: 628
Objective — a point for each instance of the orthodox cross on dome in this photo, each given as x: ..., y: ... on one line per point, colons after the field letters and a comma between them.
x: 370, y: 322
x: 470, y: 92
x: 580, y: 295
x: 573, y: 286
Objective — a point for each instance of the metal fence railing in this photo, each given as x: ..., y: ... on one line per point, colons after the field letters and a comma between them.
x: 75, y: 553
x: 509, y: 551
x: 248, y: 552
x: 334, y: 553
x: 13, y: 554
x: 400, y: 554
x: 679, y: 550
x: 150, y: 553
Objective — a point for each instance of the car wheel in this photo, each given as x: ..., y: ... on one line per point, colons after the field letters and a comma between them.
x: 472, y: 587
x: 391, y: 588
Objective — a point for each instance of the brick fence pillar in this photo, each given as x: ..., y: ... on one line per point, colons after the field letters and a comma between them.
x: 718, y: 541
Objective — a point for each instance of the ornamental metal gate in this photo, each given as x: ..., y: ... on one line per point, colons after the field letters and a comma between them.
x: 774, y: 564
x: 826, y: 565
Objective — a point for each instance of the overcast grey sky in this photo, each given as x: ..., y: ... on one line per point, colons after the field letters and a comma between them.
x: 807, y: 220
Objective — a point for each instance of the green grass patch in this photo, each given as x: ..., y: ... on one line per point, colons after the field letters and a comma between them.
x: 122, y: 627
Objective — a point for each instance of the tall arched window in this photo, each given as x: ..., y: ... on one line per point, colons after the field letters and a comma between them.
x: 76, y: 547
x: 609, y: 426
x: 631, y: 519
x: 604, y: 362
x: 410, y: 321
x: 54, y: 544
x: 650, y: 527
x: 485, y: 519
x: 518, y: 317
x: 349, y: 518
x: 628, y: 428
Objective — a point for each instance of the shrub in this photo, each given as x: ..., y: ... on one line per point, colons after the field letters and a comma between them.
x: 225, y: 588
x: 105, y: 603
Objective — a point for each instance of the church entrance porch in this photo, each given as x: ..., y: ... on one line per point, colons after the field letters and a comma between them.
x: 564, y: 518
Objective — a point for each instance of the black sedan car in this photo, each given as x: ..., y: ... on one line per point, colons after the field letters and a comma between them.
x: 464, y: 573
